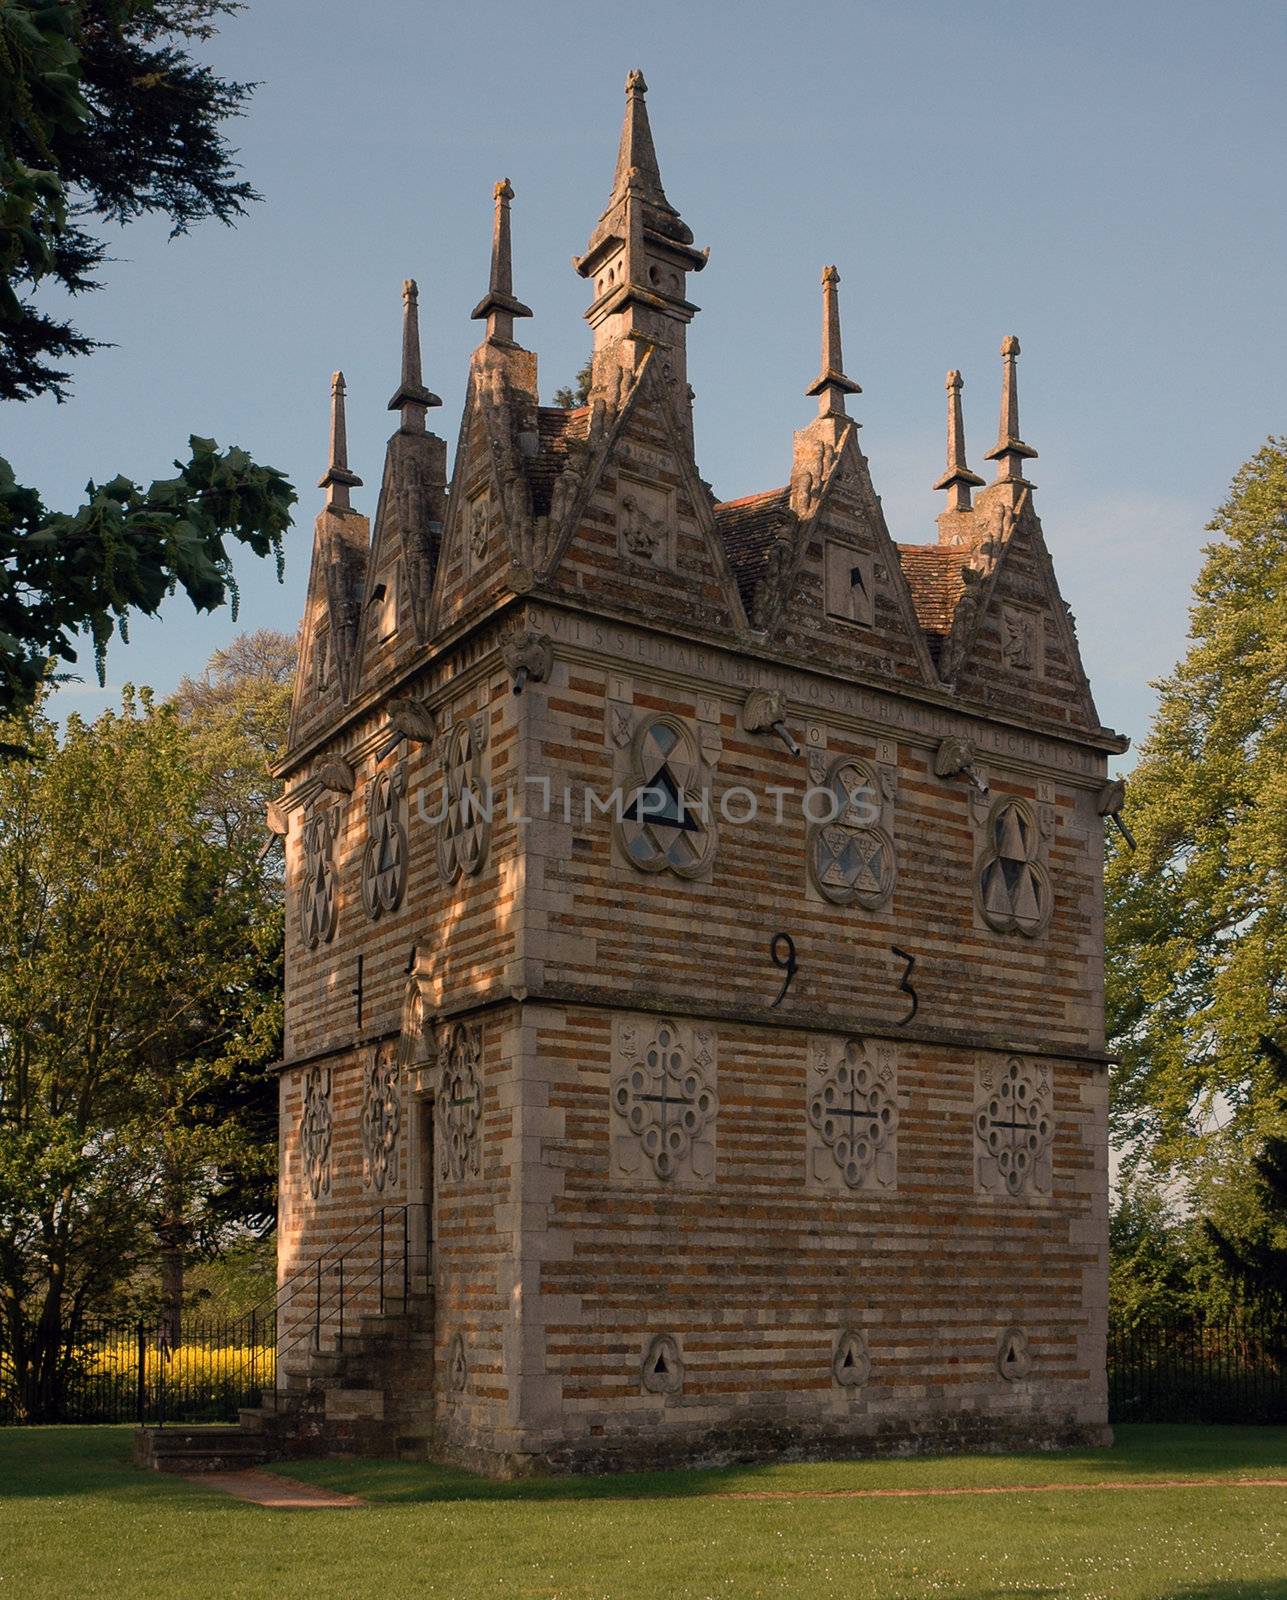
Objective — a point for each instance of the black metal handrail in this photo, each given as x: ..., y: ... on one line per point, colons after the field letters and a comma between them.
x: 309, y: 1280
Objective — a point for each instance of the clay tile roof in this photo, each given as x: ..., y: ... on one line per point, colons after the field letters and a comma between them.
x: 933, y: 573
x: 555, y: 425
x: 748, y: 528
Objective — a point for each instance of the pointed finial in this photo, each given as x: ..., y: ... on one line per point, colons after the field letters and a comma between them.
x: 337, y: 480
x: 636, y: 154
x: 958, y: 479
x: 831, y: 386
x: 1010, y: 451
x: 412, y: 397
x: 498, y: 305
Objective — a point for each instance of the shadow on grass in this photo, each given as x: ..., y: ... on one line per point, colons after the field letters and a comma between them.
x: 1142, y: 1454
x: 96, y: 1461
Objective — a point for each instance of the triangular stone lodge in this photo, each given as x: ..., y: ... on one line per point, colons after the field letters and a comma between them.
x: 622, y: 824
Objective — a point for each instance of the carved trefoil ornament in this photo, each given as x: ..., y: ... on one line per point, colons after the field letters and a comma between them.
x: 461, y: 1105
x: 852, y: 1114
x: 1011, y: 884
x: 666, y: 821
x: 850, y: 1361
x: 662, y: 1368
x: 850, y: 585
x: 1014, y: 1358
x: 665, y: 1102
x: 381, y: 1117
x: 319, y: 906
x: 851, y: 857
x: 384, y: 857
x: 465, y: 829
x: 1014, y: 1127
x: 316, y: 1123
x: 645, y: 520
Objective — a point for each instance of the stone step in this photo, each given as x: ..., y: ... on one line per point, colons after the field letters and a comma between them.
x: 216, y: 1449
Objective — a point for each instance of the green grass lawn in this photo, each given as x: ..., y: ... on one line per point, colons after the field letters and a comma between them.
x: 76, y: 1519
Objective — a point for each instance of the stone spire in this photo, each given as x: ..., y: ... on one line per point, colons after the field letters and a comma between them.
x: 498, y: 305
x: 337, y: 480
x: 958, y: 479
x: 831, y: 386
x: 636, y: 154
x: 641, y: 251
x: 412, y: 398
x: 1010, y: 452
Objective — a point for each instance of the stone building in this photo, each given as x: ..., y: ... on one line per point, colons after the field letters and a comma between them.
x: 695, y: 941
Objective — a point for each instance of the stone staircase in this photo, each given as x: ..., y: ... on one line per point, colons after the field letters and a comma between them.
x: 372, y: 1396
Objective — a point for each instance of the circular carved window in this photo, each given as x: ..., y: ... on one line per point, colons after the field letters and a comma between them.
x: 319, y: 899
x: 1013, y: 888
x: 851, y: 856
x: 665, y: 823
x: 384, y: 859
x: 465, y: 829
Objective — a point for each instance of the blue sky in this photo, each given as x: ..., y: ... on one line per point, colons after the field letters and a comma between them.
x: 1106, y: 181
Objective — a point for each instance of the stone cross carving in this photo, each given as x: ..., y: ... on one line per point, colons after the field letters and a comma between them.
x: 665, y: 1096
x: 1014, y: 1127
x: 853, y: 1115
x: 462, y: 1103
x: 381, y: 1118
x: 315, y: 1127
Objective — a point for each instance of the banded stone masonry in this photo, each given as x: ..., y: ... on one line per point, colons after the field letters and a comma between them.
x: 695, y: 915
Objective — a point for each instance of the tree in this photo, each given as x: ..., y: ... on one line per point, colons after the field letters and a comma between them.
x: 140, y: 951
x: 580, y: 396
x: 1197, y: 916
x: 105, y: 116
x: 1257, y: 1262
x: 215, y: 1122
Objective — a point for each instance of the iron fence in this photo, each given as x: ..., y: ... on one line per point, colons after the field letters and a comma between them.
x: 206, y: 1370
x: 1230, y: 1368
x: 146, y: 1372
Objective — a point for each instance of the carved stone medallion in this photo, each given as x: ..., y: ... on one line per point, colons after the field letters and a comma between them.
x: 315, y: 1127
x: 664, y: 1101
x: 1014, y: 1359
x: 662, y: 1369
x: 1014, y: 1127
x: 666, y: 821
x: 850, y: 1362
x: 465, y: 830
x: 384, y: 859
x: 319, y: 905
x: 1012, y: 886
x: 851, y: 859
x: 381, y: 1118
x: 462, y: 1103
x: 853, y: 1115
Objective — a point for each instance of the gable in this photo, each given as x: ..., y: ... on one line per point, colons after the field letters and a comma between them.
x: 638, y: 534
x: 831, y: 587
x: 1013, y: 643
x: 328, y: 632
